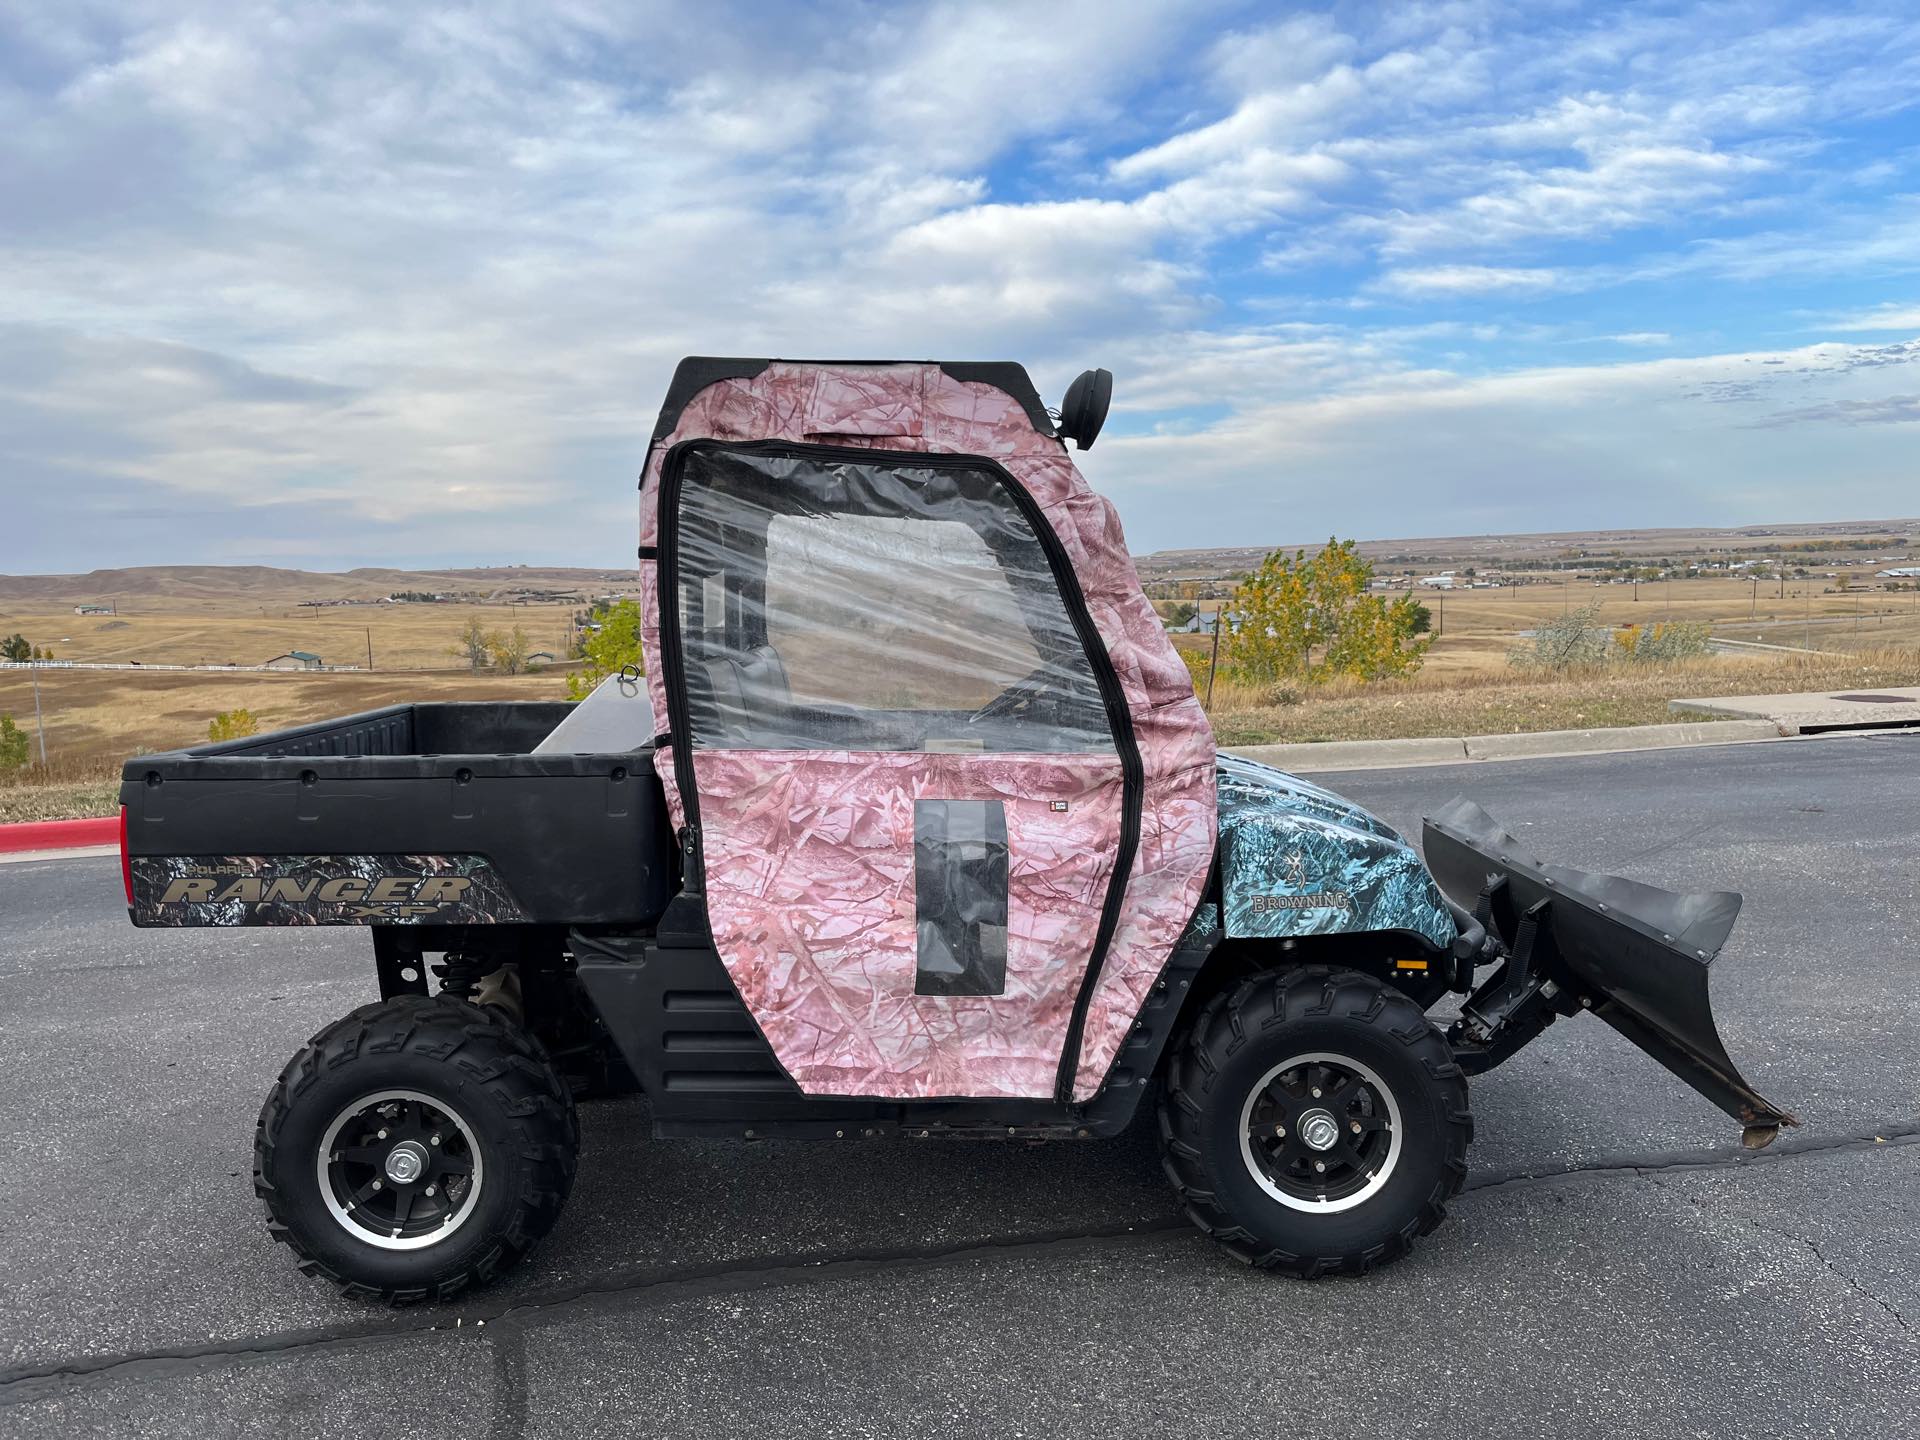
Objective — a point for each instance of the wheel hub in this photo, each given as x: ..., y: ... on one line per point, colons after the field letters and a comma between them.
x: 1319, y: 1130
x: 408, y: 1160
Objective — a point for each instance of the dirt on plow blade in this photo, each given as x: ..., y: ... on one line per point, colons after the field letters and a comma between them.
x: 1635, y: 955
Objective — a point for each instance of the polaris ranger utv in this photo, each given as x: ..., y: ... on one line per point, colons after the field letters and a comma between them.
x: 929, y: 837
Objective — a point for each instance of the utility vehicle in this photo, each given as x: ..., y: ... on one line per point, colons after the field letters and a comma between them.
x: 913, y: 827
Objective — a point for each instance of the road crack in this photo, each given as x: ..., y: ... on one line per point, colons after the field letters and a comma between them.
x: 1845, y: 1277
x: 505, y: 1316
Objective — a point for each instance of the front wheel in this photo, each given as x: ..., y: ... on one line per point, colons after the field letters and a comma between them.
x: 1315, y: 1122
x: 415, y: 1148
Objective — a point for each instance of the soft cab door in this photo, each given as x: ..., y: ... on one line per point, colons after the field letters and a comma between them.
x: 906, y: 759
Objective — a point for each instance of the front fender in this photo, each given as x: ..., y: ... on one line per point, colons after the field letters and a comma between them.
x: 1298, y: 860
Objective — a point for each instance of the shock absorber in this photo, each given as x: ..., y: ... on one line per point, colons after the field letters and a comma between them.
x: 459, y: 974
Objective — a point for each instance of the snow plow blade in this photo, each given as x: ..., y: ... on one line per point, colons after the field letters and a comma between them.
x: 1565, y: 940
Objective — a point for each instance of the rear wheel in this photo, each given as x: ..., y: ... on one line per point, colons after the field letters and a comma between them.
x: 1315, y: 1122
x: 415, y: 1148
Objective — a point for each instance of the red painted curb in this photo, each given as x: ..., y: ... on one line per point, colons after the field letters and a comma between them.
x: 59, y: 834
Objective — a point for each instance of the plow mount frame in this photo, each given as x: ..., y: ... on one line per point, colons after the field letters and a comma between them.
x: 1564, y: 940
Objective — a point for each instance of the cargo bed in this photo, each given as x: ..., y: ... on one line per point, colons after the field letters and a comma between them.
x: 412, y: 814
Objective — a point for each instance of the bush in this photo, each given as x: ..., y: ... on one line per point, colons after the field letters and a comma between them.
x: 233, y: 725
x: 1573, y: 640
x: 1660, y: 643
x: 14, y: 750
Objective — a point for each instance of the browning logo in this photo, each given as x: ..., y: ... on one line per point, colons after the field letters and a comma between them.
x: 1325, y: 900
x: 1293, y: 871
x: 319, y: 890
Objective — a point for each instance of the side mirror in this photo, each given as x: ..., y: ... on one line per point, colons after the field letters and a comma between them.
x: 1084, y: 410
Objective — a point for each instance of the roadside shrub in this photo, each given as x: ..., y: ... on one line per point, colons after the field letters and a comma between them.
x: 233, y: 725
x: 14, y: 749
x: 1572, y: 640
x: 1661, y: 642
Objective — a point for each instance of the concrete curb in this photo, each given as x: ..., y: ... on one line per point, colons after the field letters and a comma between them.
x: 1544, y: 744
x: 83, y: 852
x: 41, y: 835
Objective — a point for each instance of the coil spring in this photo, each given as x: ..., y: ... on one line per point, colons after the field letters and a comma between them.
x: 459, y: 974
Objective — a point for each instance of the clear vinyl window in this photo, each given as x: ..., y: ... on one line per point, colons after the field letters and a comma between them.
x: 891, y: 605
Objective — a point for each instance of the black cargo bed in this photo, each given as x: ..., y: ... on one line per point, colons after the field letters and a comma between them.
x: 413, y: 814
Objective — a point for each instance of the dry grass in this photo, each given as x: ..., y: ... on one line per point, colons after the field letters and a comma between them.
x: 231, y: 632
x: 1508, y: 702
x: 97, y: 718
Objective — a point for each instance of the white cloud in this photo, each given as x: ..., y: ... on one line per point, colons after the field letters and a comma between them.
x: 1468, y: 280
x: 269, y: 257
x: 1884, y: 317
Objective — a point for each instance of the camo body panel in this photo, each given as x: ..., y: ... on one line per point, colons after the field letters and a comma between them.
x: 484, y: 899
x: 1298, y: 860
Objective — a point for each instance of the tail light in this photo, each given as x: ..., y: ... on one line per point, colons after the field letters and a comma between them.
x: 126, y: 859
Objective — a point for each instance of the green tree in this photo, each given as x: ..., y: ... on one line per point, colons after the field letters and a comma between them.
x: 509, y: 650
x: 233, y: 725
x: 608, y: 650
x: 472, y: 645
x: 1314, y: 618
x: 13, y: 745
x: 15, y: 647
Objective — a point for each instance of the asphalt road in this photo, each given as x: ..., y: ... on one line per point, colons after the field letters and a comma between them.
x: 1618, y: 1267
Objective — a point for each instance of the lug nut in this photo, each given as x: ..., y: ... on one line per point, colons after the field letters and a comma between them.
x: 1356, y: 1127
x: 433, y: 1140
x: 1320, y: 1165
x: 376, y: 1184
x: 1316, y: 1095
x: 383, y: 1134
x: 1280, y: 1132
x: 429, y: 1189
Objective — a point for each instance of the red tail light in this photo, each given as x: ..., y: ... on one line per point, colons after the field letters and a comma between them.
x: 126, y: 860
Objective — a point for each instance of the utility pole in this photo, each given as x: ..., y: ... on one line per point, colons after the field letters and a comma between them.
x: 1214, y: 663
x: 369, y: 647
x: 1753, y: 605
x: 39, y: 722
x: 1440, y: 614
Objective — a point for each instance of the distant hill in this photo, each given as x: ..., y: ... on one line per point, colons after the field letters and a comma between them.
x: 1542, y: 545
x: 269, y: 584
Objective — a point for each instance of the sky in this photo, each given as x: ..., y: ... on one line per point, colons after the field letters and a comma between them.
x: 374, y: 284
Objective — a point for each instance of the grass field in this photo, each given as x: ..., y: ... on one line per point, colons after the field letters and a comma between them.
x: 95, y: 719
x: 1513, y: 702
x: 1476, y: 628
x: 229, y: 632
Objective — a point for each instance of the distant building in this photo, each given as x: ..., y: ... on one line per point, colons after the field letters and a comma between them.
x: 1902, y: 572
x: 93, y: 609
x: 294, y: 660
x: 1442, y: 581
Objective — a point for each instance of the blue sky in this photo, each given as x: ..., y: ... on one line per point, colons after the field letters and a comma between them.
x: 374, y: 284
